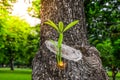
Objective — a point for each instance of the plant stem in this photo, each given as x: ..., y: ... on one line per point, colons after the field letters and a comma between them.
x: 60, y: 59
x: 59, y: 47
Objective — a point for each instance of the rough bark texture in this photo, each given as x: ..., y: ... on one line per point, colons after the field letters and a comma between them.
x: 44, y: 63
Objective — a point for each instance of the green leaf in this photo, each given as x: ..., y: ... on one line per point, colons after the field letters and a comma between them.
x: 52, y: 24
x: 61, y: 26
x: 70, y: 25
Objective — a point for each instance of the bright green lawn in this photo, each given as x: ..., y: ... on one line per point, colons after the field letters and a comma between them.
x: 25, y: 74
x: 17, y: 74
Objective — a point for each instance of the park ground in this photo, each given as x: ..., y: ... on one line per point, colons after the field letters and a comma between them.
x: 25, y: 74
x: 17, y: 74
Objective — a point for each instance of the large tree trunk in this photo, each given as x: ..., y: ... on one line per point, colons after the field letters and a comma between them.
x: 44, y: 63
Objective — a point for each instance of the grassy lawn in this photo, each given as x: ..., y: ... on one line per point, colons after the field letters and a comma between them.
x: 25, y: 74
x: 17, y: 74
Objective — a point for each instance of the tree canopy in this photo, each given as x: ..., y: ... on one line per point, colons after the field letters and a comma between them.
x: 19, y: 41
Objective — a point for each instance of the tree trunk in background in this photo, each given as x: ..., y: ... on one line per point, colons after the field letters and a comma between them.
x: 114, y: 72
x: 44, y: 63
x: 11, y: 59
x: 11, y: 64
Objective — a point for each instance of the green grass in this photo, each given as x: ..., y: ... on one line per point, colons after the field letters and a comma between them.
x: 17, y: 74
x: 25, y: 74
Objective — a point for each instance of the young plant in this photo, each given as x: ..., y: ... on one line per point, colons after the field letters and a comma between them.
x: 60, y: 29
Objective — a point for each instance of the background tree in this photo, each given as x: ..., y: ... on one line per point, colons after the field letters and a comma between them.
x: 14, y: 37
x: 34, y: 10
x: 108, y: 55
x: 19, y: 41
x: 44, y: 63
x: 103, y: 30
x: 100, y: 16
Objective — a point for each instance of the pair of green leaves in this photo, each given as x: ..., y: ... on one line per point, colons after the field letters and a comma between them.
x: 61, y: 27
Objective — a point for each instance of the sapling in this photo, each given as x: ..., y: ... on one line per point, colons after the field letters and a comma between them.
x: 60, y: 28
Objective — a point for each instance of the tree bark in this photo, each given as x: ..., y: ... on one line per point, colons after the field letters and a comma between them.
x: 44, y: 63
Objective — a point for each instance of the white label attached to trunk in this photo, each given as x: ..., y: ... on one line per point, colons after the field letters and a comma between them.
x: 67, y: 51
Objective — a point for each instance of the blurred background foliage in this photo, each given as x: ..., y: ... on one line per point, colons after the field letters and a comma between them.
x: 18, y: 40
